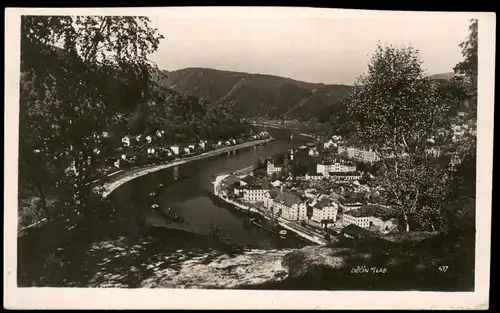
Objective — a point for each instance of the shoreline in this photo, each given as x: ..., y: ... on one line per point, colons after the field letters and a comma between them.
x: 131, y: 174
x: 281, y: 222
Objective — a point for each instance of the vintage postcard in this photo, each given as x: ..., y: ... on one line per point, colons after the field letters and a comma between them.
x: 247, y: 158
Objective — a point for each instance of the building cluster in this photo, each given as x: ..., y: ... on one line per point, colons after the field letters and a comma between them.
x: 339, y: 170
x: 327, y: 196
x: 153, y: 147
x: 368, y: 155
x: 365, y: 216
x: 322, y: 209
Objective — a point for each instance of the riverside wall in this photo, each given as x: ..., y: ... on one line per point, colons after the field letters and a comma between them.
x: 286, y: 225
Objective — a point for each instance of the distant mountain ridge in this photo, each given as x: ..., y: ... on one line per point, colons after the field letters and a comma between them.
x: 263, y: 95
x: 257, y: 94
x: 442, y: 76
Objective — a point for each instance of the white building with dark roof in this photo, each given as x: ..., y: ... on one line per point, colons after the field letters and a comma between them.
x: 325, y: 210
x: 272, y: 169
x: 288, y: 206
x: 362, y: 155
x: 344, y: 176
x: 335, y: 166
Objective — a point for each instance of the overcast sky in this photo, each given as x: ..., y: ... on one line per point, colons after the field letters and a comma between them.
x: 330, y: 48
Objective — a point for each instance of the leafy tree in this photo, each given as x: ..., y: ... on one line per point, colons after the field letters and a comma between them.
x: 77, y: 73
x: 461, y: 208
x: 467, y: 68
x: 395, y: 108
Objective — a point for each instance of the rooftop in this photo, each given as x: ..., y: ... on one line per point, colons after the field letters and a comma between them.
x: 379, y: 211
x: 350, y: 202
x: 345, y: 173
x: 231, y: 180
x: 355, y: 230
x: 314, y: 174
x: 273, y: 193
x: 287, y: 198
x: 249, y: 179
x: 337, y: 160
x: 257, y: 186
x: 322, y: 203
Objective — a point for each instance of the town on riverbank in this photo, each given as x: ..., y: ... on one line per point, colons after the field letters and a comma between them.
x: 320, y: 191
x: 128, y: 173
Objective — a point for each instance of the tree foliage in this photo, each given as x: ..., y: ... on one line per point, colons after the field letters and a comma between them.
x: 86, y: 82
x: 73, y: 72
x: 467, y: 68
x: 396, y: 109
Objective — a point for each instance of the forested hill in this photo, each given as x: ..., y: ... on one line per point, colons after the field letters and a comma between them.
x: 257, y: 94
x: 186, y: 118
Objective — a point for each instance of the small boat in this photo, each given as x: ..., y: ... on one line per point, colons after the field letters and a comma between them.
x: 282, y: 232
x: 166, y: 210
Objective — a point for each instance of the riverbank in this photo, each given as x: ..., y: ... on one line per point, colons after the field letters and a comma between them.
x: 288, y: 225
x: 131, y: 174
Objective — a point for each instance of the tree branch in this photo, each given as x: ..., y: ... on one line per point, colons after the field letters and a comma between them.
x: 95, y: 40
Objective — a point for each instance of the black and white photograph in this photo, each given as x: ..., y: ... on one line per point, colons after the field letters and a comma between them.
x: 252, y: 149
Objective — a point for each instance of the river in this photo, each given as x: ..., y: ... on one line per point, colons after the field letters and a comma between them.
x: 185, y: 191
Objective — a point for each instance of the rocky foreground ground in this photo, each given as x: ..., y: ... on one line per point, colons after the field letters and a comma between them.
x: 178, y: 260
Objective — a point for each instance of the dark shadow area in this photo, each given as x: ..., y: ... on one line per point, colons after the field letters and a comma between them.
x: 443, y: 262
x: 83, y: 258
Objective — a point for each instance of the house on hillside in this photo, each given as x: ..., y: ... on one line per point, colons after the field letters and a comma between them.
x: 127, y: 140
x: 203, y: 144
x: 329, y: 144
x: 313, y: 152
x: 367, y: 155
x: 149, y: 139
x: 175, y: 149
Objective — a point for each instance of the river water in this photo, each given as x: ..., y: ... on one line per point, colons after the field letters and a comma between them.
x: 185, y: 191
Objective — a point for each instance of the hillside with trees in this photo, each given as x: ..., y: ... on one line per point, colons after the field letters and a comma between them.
x: 257, y: 95
x: 85, y: 83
